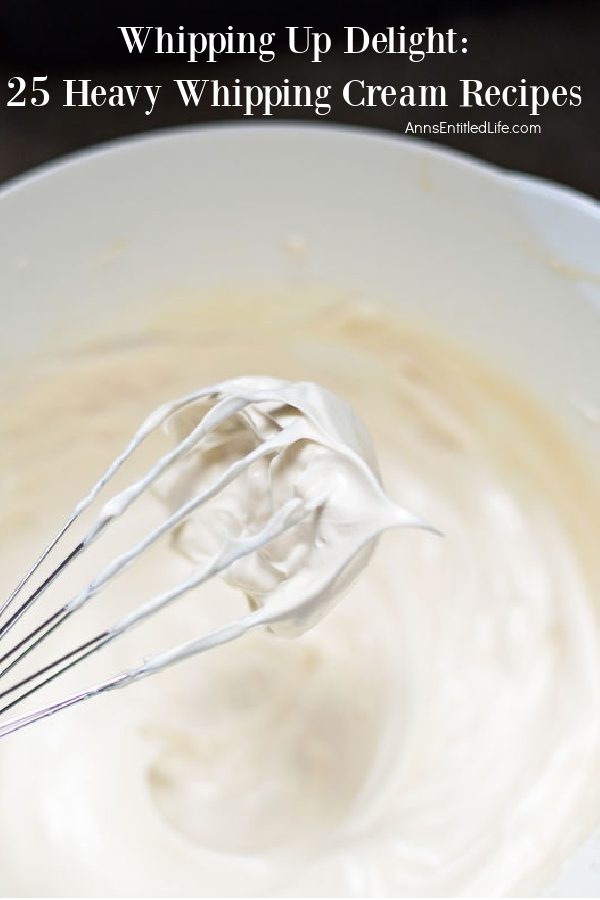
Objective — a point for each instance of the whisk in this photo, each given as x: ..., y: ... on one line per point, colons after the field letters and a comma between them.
x: 277, y: 420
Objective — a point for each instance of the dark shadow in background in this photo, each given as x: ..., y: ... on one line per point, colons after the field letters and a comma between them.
x: 547, y: 43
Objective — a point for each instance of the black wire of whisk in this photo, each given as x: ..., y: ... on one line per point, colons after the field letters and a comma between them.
x: 152, y: 422
x: 71, y: 659
x: 41, y: 559
x: 30, y: 684
x: 34, y: 638
x: 289, y: 515
x: 14, y: 618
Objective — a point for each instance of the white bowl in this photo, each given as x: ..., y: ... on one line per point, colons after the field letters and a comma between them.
x: 505, y: 262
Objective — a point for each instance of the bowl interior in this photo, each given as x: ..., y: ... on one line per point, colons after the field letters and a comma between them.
x: 507, y: 264
x: 504, y: 262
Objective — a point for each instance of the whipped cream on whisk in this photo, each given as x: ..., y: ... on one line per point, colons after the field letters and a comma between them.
x: 309, y: 445
x: 436, y: 735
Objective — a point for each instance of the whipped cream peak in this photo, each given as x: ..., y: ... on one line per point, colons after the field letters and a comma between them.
x: 285, y: 441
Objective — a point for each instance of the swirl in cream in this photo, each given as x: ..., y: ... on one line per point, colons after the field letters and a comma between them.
x: 436, y: 733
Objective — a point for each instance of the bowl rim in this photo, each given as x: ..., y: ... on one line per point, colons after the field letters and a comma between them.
x: 523, y: 183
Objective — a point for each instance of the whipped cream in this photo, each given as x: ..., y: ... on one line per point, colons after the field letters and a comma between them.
x: 289, y: 442
x: 436, y: 734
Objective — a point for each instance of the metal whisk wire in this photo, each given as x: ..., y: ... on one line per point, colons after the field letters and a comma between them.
x: 291, y: 513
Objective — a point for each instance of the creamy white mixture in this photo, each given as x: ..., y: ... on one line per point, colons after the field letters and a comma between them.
x: 438, y: 732
x: 279, y: 445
